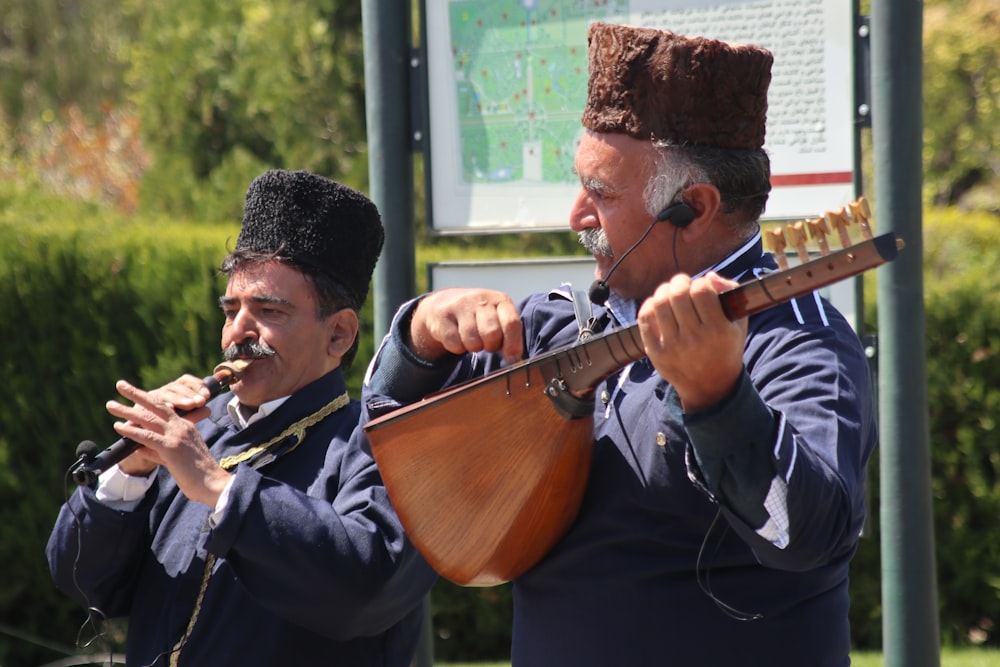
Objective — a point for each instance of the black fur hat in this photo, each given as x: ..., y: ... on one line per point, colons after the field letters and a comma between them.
x: 316, y: 223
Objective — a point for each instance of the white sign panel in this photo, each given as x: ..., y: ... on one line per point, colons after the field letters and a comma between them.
x: 518, y: 278
x: 508, y: 84
x: 521, y: 278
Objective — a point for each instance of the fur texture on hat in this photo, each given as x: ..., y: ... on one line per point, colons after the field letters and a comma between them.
x: 315, y: 222
x: 653, y: 84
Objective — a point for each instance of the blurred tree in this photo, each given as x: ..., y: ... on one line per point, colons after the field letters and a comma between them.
x: 57, y: 52
x: 962, y: 103
x: 225, y: 90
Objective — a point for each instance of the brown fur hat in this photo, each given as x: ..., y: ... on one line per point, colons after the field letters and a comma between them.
x: 653, y: 84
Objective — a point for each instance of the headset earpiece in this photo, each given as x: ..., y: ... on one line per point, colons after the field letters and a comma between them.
x: 680, y: 214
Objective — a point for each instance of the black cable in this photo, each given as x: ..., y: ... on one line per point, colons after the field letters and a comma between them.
x: 706, y: 585
x: 95, y: 617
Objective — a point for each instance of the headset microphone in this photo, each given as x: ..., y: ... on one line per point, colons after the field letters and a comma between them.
x: 680, y: 214
x: 599, y: 292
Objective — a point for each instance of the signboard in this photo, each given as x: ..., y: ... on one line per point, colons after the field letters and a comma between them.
x: 507, y: 83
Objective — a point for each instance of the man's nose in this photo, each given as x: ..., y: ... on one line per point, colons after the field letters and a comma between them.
x: 244, y: 327
x: 582, y: 214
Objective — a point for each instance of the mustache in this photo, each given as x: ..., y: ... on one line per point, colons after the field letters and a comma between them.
x: 250, y: 350
x: 596, y: 242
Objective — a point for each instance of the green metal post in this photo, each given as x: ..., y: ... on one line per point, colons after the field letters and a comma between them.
x: 909, y: 583
x: 386, y: 26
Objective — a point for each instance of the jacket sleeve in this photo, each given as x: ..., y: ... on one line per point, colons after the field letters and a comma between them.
x: 95, y: 552
x: 786, y: 454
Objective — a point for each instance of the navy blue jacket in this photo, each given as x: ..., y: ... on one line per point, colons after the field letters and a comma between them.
x: 312, y: 564
x: 717, y: 538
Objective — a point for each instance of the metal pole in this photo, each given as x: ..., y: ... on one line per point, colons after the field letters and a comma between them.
x: 386, y: 31
x: 909, y: 585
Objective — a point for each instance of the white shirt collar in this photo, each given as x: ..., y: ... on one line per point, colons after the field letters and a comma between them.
x: 241, y: 415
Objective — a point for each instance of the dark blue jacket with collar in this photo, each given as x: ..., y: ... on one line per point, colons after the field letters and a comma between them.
x: 717, y: 538
x: 312, y: 565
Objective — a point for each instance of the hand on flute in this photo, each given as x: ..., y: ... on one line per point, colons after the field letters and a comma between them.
x: 168, y: 439
x: 187, y: 395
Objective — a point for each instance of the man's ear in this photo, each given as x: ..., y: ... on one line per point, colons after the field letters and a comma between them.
x: 705, y: 200
x: 343, y: 329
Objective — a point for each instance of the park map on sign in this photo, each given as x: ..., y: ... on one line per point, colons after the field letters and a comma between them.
x: 521, y: 84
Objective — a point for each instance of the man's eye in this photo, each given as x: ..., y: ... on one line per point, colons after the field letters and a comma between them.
x: 596, y: 194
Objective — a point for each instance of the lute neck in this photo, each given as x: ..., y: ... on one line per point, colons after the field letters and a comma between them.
x: 582, y: 365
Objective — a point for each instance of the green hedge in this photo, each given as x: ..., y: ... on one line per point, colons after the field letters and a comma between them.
x: 962, y: 309
x: 962, y: 287
x: 88, y: 298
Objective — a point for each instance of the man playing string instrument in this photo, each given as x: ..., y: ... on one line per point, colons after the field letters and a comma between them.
x: 256, y: 530
x: 727, y: 489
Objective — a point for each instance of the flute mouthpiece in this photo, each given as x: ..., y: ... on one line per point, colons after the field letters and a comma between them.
x: 235, y: 368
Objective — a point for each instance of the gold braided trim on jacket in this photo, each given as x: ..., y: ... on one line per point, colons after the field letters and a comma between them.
x: 296, y: 430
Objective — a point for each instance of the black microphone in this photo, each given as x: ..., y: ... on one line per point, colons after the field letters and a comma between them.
x: 599, y: 292
x: 86, y: 449
x: 679, y: 214
x: 88, y: 467
x: 85, y: 452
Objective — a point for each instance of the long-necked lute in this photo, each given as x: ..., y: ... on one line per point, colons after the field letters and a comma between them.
x: 486, y: 476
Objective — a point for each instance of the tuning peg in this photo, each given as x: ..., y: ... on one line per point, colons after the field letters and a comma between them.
x: 818, y: 230
x: 797, y: 237
x: 838, y: 220
x: 776, y: 243
x: 861, y: 214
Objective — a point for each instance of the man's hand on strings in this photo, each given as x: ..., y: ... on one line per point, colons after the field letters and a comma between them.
x: 466, y: 320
